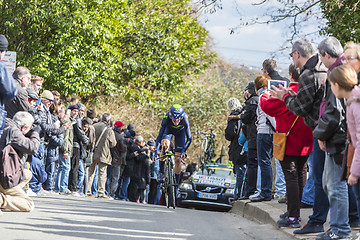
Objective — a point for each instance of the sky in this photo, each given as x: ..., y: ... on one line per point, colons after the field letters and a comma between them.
x: 250, y: 45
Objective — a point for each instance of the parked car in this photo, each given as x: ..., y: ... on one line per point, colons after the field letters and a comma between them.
x: 210, y: 186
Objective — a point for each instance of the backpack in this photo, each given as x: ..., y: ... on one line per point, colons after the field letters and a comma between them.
x: 11, y: 166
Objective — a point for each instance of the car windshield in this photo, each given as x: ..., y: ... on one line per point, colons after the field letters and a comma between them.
x: 216, y: 172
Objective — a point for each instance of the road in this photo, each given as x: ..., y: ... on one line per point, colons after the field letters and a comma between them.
x: 64, y: 217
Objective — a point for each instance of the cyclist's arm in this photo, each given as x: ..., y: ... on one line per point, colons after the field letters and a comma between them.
x: 188, y: 134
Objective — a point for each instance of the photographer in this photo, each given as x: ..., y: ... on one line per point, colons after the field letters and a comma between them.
x: 18, y: 128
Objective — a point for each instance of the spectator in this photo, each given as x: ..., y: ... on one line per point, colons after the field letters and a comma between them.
x: 331, y: 135
x: 20, y: 102
x: 85, y: 125
x: 343, y: 80
x: 248, y: 117
x: 36, y: 83
x: 306, y: 104
x: 54, y: 142
x: 139, y: 178
x: 15, y: 199
x: 232, y: 133
x: 79, y: 138
x: 90, y: 114
x: 153, y: 197
x: 105, y: 140
x: 269, y: 68
x: 8, y: 89
x: 82, y: 110
x: 352, y: 57
x: 118, y: 154
x: 265, y: 127
x: 129, y: 168
x: 299, y: 144
x: 61, y: 183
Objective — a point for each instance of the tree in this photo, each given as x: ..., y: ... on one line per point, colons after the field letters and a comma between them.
x: 92, y: 47
x: 343, y: 18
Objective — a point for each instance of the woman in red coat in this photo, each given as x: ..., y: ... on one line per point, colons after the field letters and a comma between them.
x: 299, y: 145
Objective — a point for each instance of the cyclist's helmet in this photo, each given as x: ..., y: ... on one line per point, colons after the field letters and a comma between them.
x: 176, y: 111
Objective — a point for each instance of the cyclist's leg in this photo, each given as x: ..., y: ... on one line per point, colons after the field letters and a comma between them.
x: 165, y: 142
x: 179, y: 146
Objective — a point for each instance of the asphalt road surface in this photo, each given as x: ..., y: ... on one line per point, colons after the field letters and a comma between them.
x: 64, y: 217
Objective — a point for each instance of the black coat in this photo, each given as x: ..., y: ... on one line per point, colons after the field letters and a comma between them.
x: 248, y: 117
x: 331, y: 126
x: 129, y: 168
x: 232, y: 133
x: 118, y: 152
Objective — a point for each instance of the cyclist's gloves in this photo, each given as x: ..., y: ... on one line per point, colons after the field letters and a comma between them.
x: 183, y: 155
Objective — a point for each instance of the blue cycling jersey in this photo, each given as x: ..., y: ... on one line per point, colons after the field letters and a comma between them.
x: 168, y: 128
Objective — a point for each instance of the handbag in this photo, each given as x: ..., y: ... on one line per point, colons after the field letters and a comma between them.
x: 279, y: 142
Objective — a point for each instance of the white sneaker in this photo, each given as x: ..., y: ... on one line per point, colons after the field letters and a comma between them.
x: 256, y: 194
x: 75, y: 194
x: 30, y: 193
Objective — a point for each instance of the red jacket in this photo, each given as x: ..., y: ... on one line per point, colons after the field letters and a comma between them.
x: 300, y: 140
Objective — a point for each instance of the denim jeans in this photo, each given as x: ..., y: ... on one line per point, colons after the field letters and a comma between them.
x: 264, y: 149
x: 321, y: 201
x: 280, y: 185
x: 50, y: 170
x: 337, y: 192
x: 108, y: 180
x: 115, y: 175
x: 356, y: 191
x: 309, y: 189
x: 95, y: 182
x: 61, y: 183
x: 81, y: 177
x: 124, y: 187
x: 353, y: 207
x: 240, y: 171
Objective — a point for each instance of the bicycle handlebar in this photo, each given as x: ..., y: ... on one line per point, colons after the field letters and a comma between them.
x: 168, y: 154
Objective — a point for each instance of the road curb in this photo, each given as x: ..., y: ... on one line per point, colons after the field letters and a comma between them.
x: 264, y: 213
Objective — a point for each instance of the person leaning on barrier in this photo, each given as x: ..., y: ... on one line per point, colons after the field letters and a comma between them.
x: 15, y: 199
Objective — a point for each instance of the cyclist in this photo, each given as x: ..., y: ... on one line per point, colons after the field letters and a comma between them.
x: 175, y: 123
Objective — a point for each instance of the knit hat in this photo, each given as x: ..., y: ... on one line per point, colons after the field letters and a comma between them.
x: 151, y: 142
x: 91, y: 113
x: 233, y: 104
x: 3, y: 43
x: 46, y: 94
x: 130, y: 127
x: 74, y: 106
x: 32, y: 94
x: 119, y: 124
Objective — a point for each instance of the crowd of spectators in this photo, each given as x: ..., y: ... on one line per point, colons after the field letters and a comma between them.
x: 69, y: 149
x: 318, y: 110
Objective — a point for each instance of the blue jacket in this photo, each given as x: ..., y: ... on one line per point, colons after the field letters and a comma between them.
x: 8, y: 91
